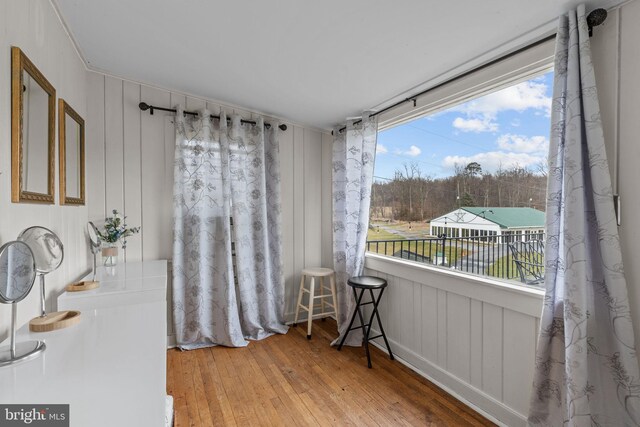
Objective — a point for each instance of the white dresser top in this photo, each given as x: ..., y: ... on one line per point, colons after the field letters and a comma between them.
x: 110, y: 368
x: 130, y: 270
x: 130, y: 283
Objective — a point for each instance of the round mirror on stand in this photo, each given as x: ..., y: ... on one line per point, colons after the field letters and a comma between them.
x: 17, y: 275
x: 94, y: 243
x: 48, y: 252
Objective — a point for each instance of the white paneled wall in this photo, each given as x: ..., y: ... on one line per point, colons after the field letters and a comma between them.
x: 616, y: 59
x: 473, y: 337
x: 130, y: 168
x: 33, y: 26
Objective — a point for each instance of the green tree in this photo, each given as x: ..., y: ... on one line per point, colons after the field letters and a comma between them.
x: 473, y: 169
x: 467, y: 200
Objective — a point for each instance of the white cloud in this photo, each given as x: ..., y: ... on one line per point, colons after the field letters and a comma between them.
x: 381, y: 149
x: 492, y: 160
x: 523, y: 144
x: 481, y: 113
x: 477, y: 125
x: 525, y: 95
x: 413, y: 151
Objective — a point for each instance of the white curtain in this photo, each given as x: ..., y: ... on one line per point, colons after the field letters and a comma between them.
x: 354, y: 152
x: 226, y: 207
x: 586, y: 370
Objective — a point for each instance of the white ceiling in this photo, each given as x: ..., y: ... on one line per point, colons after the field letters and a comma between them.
x: 312, y: 62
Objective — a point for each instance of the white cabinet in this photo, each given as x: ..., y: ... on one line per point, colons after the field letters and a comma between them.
x: 111, y: 367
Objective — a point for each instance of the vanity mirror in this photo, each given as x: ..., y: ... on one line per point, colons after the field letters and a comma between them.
x: 71, y: 155
x: 48, y: 253
x: 32, y: 132
x: 95, y: 241
x: 94, y: 244
x: 17, y: 274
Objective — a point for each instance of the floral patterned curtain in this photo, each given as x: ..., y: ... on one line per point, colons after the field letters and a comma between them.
x: 354, y: 152
x: 586, y: 370
x: 226, y: 207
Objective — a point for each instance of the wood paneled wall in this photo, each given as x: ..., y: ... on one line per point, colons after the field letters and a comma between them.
x: 130, y: 168
x: 616, y: 59
x: 474, y: 338
x: 34, y: 27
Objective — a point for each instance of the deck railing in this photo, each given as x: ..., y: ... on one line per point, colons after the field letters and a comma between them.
x: 505, y: 256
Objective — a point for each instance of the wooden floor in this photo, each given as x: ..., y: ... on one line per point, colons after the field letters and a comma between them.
x: 288, y: 380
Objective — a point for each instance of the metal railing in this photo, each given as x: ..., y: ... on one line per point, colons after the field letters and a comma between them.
x: 494, y: 256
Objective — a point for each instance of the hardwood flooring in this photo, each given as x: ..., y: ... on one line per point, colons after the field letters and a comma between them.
x: 286, y: 380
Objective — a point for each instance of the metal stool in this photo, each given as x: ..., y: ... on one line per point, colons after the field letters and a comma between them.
x: 367, y: 283
x: 320, y: 273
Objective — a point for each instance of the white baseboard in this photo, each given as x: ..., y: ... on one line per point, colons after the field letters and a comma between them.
x: 471, y: 396
x: 171, y: 341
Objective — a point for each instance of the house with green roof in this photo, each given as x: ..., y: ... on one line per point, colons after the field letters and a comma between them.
x: 520, y: 223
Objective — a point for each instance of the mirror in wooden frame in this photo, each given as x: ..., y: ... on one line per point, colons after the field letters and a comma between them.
x: 71, y: 155
x: 32, y: 132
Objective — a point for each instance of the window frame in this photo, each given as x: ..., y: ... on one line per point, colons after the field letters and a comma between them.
x: 508, y: 72
x: 515, y: 69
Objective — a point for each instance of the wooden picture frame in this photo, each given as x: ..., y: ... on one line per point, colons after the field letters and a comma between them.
x: 19, y: 194
x: 65, y: 110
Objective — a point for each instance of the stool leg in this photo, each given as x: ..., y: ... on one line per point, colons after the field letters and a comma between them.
x: 322, y: 295
x: 300, y: 292
x: 370, y: 323
x: 365, y: 330
x: 311, y: 302
x: 353, y: 317
x: 332, y: 282
x: 375, y: 311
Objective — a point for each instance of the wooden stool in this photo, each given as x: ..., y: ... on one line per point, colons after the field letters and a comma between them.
x: 321, y: 273
x: 367, y: 283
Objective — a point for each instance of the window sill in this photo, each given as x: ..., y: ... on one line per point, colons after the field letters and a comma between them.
x: 523, y: 299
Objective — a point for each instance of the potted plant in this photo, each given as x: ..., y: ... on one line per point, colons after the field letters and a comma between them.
x: 115, y: 230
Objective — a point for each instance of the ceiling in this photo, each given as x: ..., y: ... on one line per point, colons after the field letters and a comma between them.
x: 311, y: 62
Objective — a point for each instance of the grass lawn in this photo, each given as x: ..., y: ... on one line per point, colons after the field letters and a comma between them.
x: 418, y: 230
x: 382, y: 235
x: 505, y: 267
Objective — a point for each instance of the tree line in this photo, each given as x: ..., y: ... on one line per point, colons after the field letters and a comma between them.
x: 413, y: 195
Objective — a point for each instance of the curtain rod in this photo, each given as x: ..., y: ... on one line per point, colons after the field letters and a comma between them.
x: 414, y: 98
x: 595, y: 18
x: 144, y: 107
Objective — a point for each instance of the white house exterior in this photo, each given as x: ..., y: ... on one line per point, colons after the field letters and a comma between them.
x: 521, y: 223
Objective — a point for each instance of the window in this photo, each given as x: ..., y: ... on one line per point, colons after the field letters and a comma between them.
x: 463, y: 185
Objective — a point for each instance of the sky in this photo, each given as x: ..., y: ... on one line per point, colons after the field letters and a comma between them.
x: 508, y: 127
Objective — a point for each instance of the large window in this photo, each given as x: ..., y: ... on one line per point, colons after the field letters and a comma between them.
x: 464, y: 187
